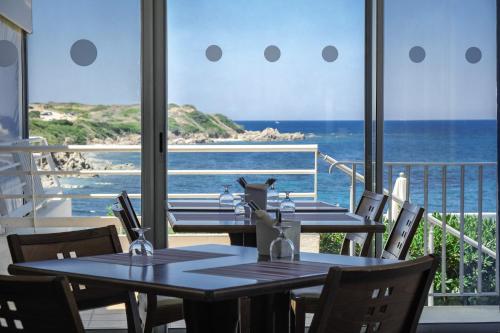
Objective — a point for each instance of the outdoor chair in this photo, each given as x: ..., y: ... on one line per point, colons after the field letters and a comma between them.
x: 306, y: 300
x: 371, y: 206
x: 387, y: 298
x: 82, y: 243
x: 154, y: 310
x: 38, y: 304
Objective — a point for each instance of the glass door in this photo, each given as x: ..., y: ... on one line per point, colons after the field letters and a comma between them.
x: 440, y: 137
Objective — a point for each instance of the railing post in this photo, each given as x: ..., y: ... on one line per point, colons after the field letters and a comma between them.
x: 443, y: 229
x: 353, y: 189
x: 462, y: 229
x: 430, y: 247
x: 33, y: 191
x: 480, y: 229
x: 316, y: 156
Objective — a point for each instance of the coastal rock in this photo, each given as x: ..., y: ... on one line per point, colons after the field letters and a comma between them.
x: 266, y: 135
x: 270, y: 134
x: 67, y: 161
x: 71, y: 161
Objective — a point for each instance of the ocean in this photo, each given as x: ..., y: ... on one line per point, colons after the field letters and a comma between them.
x: 404, y: 141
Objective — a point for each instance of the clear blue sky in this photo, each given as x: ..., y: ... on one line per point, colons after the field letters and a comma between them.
x: 243, y: 85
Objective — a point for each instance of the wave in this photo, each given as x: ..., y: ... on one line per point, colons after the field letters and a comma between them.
x: 73, y: 186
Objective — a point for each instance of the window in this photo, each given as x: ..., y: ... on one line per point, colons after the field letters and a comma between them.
x: 441, y: 133
x: 10, y: 81
x: 84, y: 89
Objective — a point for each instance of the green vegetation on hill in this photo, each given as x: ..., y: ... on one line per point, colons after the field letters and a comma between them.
x: 78, y: 123
x: 187, y: 120
x: 79, y: 132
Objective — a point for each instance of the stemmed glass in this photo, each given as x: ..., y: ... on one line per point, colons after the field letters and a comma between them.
x: 281, y: 248
x: 242, y: 208
x: 226, y: 198
x: 140, y: 247
x: 287, y: 205
x: 272, y: 197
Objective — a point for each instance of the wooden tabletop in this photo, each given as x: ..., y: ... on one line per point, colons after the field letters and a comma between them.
x: 200, y: 273
x: 213, y: 205
x: 222, y: 222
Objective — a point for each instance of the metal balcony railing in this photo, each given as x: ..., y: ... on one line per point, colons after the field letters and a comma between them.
x: 33, y: 151
x: 437, y: 218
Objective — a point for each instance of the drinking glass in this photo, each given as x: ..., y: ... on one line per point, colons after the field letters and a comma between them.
x: 140, y: 247
x: 287, y: 205
x: 242, y: 208
x: 226, y: 198
x: 272, y: 197
x: 281, y: 248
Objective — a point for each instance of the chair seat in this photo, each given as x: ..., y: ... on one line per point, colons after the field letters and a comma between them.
x: 307, y: 293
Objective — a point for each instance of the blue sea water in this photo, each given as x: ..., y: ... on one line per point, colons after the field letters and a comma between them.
x: 404, y: 141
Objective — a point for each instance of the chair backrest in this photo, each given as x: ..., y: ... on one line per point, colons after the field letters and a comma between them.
x: 399, y: 241
x: 127, y: 216
x: 38, y: 304
x: 81, y: 243
x: 371, y: 206
x: 382, y: 299
x: 119, y: 212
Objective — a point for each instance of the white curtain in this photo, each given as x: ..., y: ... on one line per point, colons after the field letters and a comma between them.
x: 10, y: 86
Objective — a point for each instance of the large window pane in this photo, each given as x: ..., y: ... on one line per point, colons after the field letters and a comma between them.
x: 10, y: 81
x: 440, y: 132
x: 239, y: 66
x: 84, y: 88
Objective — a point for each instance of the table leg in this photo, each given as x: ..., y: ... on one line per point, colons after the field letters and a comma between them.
x: 211, y: 317
x: 270, y: 313
x: 243, y: 239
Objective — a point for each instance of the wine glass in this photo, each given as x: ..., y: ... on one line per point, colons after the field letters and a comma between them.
x: 226, y: 198
x: 272, y: 196
x: 242, y: 208
x: 281, y: 248
x: 287, y: 205
x: 140, y: 247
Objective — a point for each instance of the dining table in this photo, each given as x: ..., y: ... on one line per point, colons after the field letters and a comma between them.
x: 243, y: 231
x: 209, y: 205
x: 211, y: 279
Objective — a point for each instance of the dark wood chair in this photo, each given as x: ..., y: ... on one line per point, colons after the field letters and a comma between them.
x: 154, y: 310
x: 305, y: 300
x: 73, y: 244
x: 384, y: 299
x: 126, y: 213
x: 371, y: 206
x: 399, y: 241
x: 38, y: 304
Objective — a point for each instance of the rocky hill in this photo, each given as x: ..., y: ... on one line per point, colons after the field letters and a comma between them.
x: 73, y: 123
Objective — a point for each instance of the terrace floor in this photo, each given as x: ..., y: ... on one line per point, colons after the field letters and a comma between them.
x: 435, y: 319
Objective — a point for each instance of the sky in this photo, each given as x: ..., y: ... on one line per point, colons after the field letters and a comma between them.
x: 300, y: 85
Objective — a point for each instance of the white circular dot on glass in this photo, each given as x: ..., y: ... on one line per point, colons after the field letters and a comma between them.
x: 8, y: 53
x: 83, y: 52
x: 473, y: 55
x: 330, y: 53
x: 417, y: 54
x: 213, y: 53
x: 272, y: 53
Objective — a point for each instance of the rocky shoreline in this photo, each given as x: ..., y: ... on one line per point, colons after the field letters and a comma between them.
x: 78, y: 161
x: 266, y: 135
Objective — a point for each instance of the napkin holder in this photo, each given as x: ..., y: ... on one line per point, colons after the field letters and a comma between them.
x: 265, y: 234
x: 258, y: 194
